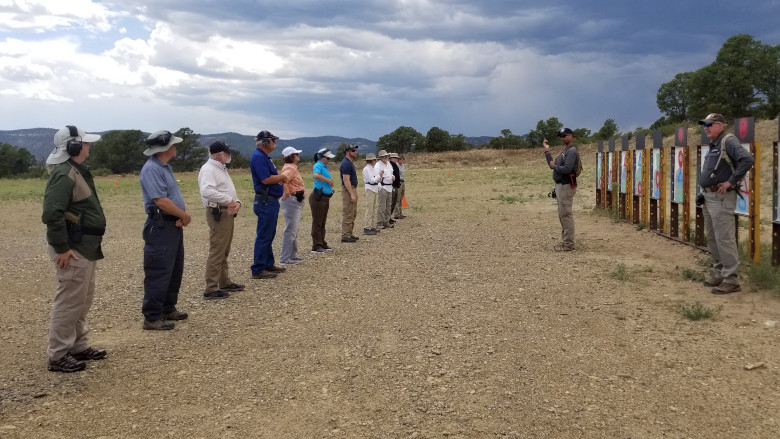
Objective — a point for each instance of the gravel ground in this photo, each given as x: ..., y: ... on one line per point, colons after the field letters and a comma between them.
x: 461, y: 322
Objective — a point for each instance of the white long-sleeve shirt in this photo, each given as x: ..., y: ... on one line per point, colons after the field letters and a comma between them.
x: 387, y: 178
x: 215, y: 184
x: 371, y: 178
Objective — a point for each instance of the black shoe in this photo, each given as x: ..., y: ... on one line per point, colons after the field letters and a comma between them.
x: 90, y: 353
x: 355, y: 237
x: 158, y: 325
x: 67, y: 364
x: 275, y: 269
x: 216, y: 294
x: 348, y: 239
x: 176, y: 315
x: 233, y: 287
x: 265, y: 274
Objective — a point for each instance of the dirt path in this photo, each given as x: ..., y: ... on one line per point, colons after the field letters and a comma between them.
x: 460, y: 322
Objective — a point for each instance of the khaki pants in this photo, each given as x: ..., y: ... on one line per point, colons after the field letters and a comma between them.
x: 721, y: 234
x: 565, y: 196
x: 220, y: 239
x: 75, y: 290
x: 385, y: 199
x: 348, y: 213
x: 369, y: 219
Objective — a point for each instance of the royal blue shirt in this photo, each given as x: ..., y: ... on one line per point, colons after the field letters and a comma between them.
x: 348, y: 168
x: 157, y: 181
x: 262, y: 167
x: 322, y: 169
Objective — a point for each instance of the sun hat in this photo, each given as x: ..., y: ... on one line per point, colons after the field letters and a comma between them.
x: 160, y: 141
x: 382, y: 153
x: 393, y: 155
x: 325, y: 152
x: 60, y: 152
x: 370, y: 156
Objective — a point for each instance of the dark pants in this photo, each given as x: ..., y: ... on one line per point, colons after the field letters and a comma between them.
x: 267, y: 215
x: 319, y: 215
x: 163, y: 267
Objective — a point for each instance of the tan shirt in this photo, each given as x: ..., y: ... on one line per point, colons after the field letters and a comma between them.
x: 295, y: 183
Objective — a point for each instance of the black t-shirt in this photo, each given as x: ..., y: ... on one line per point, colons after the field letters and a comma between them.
x: 348, y: 168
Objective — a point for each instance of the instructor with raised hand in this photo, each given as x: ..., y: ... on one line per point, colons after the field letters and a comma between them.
x: 564, y: 174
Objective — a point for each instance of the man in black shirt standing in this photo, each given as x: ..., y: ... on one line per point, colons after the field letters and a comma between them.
x: 349, y: 198
x: 564, y: 168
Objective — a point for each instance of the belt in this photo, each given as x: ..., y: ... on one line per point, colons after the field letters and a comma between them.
x: 714, y: 188
x: 372, y: 184
x: 269, y: 196
x: 167, y: 217
x: 389, y: 184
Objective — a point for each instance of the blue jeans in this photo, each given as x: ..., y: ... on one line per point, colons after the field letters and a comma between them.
x: 267, y: 214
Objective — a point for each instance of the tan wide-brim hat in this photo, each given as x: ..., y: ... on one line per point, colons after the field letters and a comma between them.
x: 160, y: 141
x: 382, y: 153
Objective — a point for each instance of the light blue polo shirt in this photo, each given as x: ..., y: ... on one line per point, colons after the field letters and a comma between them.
x: 157, y: 181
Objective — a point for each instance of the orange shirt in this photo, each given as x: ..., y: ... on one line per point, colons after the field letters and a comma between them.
x: 295, y: 183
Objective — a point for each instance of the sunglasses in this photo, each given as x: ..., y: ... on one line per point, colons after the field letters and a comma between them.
x: 160, y: 140
x: 709, y: 124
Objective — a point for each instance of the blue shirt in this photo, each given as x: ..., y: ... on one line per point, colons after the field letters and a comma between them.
x: 348, y: 168
x: 322, y: 169
x: 157, y: 181
x: 262, y: 167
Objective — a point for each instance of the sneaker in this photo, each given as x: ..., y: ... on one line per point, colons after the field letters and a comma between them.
x: 726, y: 288
x: 216, y: 294
x: 369, y: 232
x: 318, y: 250
x: 713, y: 282
x: 67, y: 364
x: 296, y: 259
x: 265, y: 274
x: 355, y: 237
x: 327, y: 248
x: 158, y: 325
x: 275, y: 269
x: 176, y: 315
x: 90, y: 353
x: 388, y: 226
x: 400, y: 217
x: 563, y: 248
x: 350, y: 239
x: 376, y: 231
x: 233, y: 287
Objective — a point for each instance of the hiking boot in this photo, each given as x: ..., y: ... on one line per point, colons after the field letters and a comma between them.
x: 275, y: 269
x: 233, y: 287
x: 726, y: 288
x: 67, y: 364
x: 265, y: 274
x: 348, y: 239
x: 176, y: 315
x: 216, y: 294
x: 563, y: 248
x: 158, y: 325
x: 90, y: 353
x: 713, y: 282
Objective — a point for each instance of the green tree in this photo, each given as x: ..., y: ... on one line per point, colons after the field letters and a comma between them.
x: 190, y: 155
x: 237, y: 160
x: 673, y: 99
x: 459, y: 143
x: 401, y: 140
x: 15, y: 161
x: 608, y: 130
x: 437, y: 140
x: 545, y: 130
x: 120, y: 151
x: 744, y: 80
x: 341, y: 152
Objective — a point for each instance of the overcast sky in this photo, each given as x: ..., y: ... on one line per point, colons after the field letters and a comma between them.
x: 355, y: 68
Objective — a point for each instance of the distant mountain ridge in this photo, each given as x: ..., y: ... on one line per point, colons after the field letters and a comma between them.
x: 38, y: 141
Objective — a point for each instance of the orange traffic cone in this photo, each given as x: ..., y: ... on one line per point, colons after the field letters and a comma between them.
x: 403, y: 202
x: 116, y: 184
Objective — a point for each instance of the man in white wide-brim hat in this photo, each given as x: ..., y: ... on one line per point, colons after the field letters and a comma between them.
x: 163, y: 235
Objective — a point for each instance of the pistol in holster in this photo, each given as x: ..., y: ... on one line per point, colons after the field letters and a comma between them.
x: 73, y: 221
x: 262, y: 193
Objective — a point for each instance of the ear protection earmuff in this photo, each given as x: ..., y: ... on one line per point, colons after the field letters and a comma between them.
x: 73, y: 147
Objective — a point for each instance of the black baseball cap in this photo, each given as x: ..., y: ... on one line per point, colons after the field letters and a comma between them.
x: 565, y: 132
x: 352, y: 148
x: 219, y: 146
